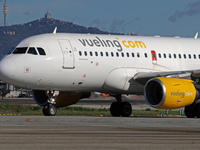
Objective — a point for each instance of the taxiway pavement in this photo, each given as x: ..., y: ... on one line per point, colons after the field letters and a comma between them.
x: 85, y: 133
x: 99, y: 102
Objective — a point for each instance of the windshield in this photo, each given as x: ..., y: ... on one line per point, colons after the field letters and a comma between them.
x: 32, y: 51
x: 20, y: 50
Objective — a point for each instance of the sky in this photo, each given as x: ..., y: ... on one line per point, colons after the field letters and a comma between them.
x: 143, y: 17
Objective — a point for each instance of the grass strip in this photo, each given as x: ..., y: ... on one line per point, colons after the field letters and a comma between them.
x: 7, y: 109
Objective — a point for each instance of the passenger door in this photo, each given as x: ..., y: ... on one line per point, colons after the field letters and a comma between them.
x: 68, y: 54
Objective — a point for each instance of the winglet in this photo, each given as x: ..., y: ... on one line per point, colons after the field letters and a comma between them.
x: 54, y: 32
x: 196, y: 35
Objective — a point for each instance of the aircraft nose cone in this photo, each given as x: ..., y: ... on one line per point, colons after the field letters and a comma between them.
x: 7, y: 69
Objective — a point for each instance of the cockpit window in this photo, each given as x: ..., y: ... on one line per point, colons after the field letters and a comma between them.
x: 32, y: 51
x: 20, y: 50
x: 41, y: 51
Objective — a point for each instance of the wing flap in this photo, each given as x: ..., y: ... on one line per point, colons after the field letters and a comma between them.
x: 143, y: 77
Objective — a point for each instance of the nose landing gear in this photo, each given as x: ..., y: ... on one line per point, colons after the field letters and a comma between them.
x: 50, y: 109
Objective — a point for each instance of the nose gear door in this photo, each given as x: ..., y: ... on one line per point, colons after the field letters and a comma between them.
x: 68, y: 54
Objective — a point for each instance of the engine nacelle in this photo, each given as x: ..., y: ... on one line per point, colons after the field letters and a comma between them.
x: 170, y: 93
x: 62, y: 100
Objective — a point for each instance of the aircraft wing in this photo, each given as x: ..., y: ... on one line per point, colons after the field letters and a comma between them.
x: 143, y: 77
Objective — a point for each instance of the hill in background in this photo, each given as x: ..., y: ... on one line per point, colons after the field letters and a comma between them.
x: 11, y: 35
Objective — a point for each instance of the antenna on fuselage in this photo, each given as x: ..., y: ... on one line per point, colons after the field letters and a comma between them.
x: 196, y: 35
x: 54, y: 31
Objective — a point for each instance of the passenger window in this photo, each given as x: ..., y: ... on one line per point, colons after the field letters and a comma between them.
x: 189, y: 56
x: 41, y: 51
x: 101, y: 53
x: 96, y: 53
x: 107, y: 54
x: 170, y: 56
x: 117, y: 54
x: 132, y: 54
x: 112, y: 54
x: 199, y: 56
x: 122, y: 54
x: 164, y: 55
x: 20, y: 50
x: 195, y: 56
x: 179, y: 55
x: 90, y: 53
x: 32, y: 51
x: 85, y: 53
x: 80, y: 53
x: 138, y: 55
x: 145, y: 54
x: 184, y: 56
x: 127, y: 54
x: 159, y: 55
x: 174, y: 55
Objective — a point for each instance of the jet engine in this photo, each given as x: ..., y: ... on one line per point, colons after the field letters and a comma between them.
x: 61, y: 100
x: 170, y: 93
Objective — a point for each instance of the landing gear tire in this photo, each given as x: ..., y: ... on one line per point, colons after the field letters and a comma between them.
x: 50, y: 110
x: 197, y: 110
x: 115, y: 109
x: 44, y: 110
x: 190, y: 111
x: 126, y: 109
x: 120, y: 109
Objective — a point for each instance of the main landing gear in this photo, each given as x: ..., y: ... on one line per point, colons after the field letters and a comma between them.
x: 120, y: 108
x: 193, y: 110
x: 50, y: 109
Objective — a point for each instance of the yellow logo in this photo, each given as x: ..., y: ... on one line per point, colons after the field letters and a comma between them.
x: 97, y: 42
x: 138, y: 44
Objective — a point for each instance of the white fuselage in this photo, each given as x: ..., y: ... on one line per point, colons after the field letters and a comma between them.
x: 104, y: 63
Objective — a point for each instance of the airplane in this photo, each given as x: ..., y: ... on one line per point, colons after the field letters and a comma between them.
x: 62, y: 68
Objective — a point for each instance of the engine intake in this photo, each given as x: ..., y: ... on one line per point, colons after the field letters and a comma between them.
x: 170, y: 93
